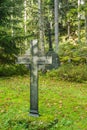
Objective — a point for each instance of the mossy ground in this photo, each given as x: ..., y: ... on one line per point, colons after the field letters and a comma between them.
x: 62, y: 104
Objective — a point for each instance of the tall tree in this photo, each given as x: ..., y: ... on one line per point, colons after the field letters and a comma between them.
x: 68, y: 19
x: 41, y: 26
x: 85, y: 20
x: 9, y: 30
x: 56, y: 3
x: 25, y: 20
x: 79, y: 18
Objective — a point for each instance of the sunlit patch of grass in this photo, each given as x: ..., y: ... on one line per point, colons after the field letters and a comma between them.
x: 62, y: 105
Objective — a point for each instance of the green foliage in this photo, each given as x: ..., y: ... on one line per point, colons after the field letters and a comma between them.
x: 11, y: 32
x: 9, y: 70
x: 70, y: 72
x: 72, y: 52
x: 8, y: 50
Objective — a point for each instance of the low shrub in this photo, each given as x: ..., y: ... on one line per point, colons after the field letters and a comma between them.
x: 9, y: 70
x: 73, y: 53
x: 70, y: 72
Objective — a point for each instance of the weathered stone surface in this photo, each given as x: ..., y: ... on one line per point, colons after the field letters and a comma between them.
x: 34, y: 60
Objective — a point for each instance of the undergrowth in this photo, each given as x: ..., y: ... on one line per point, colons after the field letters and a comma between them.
x: 70, y: 72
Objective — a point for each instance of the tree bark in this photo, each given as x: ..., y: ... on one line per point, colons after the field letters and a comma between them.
x: 79, y: 17
x: 25, y: 20
x: 41, y: 27
x: 56, y: 3
x: 85, y: 24
x: 12, y: 30
x: 68, y: 19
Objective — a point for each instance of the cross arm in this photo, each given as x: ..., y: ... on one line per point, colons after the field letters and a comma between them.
x: 23, y: 60
x: 45, y: 60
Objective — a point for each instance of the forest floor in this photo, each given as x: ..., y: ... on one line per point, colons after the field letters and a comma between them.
x: 62, y: 105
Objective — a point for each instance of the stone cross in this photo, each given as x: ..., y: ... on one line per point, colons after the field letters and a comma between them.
x: 34, y: 60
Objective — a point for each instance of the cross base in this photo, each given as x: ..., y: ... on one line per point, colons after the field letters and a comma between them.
x: 34, y: 113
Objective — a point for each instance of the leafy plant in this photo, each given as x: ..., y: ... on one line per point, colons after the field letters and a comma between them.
x: 71, y: 52
x: 9, y: 70
x: 70, y: 72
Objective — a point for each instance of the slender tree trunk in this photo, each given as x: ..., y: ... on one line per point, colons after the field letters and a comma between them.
x: 56, y: 3
x: 12, y: 31
x: 79, y: 17
x: 68, y: 20
x: 68, y: 29
x: 85, y: 23
x: 25, y: 20
x: 86, y: 27
x: 41, y: 27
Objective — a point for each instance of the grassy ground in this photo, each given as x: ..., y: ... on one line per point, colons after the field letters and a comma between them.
x: 62, y: 105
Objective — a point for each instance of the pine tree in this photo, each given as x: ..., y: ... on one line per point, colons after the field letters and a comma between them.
x: 9, y: 30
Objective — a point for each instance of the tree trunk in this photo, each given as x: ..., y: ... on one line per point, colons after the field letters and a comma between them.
x: 12, y: 31
x: 68, y: 19
x: 68, y: 29
x: 79, y: 17
x: 86, y: 24
x: 41, y: 27
x: 86, y: 27
x: 25, y: 20
x: 56, y: 3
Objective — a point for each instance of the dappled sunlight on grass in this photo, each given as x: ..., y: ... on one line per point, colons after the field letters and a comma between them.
x: 62, y: 105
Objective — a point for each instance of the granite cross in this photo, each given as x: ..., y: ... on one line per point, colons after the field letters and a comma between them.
x: 34, y: 60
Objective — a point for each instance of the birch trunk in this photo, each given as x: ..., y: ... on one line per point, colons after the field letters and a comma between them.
x: 79, y: 17
x: 85, y: 24
x: 86, y: 28
x: 12, y: 31
x: 68, y: 29
x: 41, y: 27
x: 68, y: 19
x: 25, y: 20
x: 56, y: 3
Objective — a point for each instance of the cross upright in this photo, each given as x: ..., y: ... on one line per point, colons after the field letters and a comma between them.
x: 34, y: 61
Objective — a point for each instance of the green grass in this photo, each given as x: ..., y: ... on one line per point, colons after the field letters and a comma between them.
x: 62, y: 105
